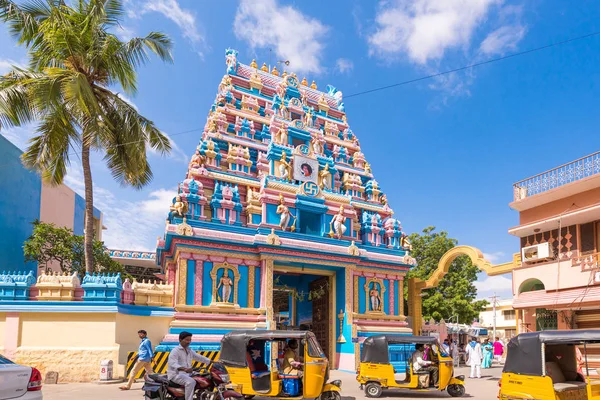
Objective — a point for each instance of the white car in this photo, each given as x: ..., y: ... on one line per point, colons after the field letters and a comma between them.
x: 19, y: 382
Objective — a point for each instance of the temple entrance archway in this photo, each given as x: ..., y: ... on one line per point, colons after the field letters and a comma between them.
x: 416, y: 285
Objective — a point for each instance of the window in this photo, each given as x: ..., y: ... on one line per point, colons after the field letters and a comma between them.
x: 4, y: 360
x: 314, y: 350
x: 546, y: 319
x: 510, y: 333
x: 509, y: 315
x: 588, y: 242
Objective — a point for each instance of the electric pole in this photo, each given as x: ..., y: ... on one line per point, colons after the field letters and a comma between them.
x: 494, y: 312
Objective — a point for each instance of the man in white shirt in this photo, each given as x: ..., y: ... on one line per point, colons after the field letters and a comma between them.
x: 180, y: 364
x: 419, y: 364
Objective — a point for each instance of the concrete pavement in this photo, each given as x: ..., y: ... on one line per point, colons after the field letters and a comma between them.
x: 485, y: 388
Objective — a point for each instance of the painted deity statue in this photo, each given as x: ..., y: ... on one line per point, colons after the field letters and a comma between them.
x: 316, y: 146
x: 284, y: 212
x: 225, y: 284
x: 367, y: 167
x: 179, y: 207
x: 338, y: 221
x: 285, y: 168
x: 197, y: 160
x: 281, y: 137
x: 375, y: 298
x: 324, y: 178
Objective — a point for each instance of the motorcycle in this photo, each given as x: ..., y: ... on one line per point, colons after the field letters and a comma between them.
x: 211, y: 384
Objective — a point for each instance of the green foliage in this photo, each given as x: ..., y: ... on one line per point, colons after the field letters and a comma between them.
x: 50, y: 244
x: 455, y: 295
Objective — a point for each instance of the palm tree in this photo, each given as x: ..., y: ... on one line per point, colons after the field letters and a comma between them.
x: 74, y: 59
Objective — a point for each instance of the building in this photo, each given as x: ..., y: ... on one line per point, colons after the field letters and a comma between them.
x: 141, y: 265
x: 556, y: 281
x: 280, y: 222
x: 506, y: 319
x: 25, y: 198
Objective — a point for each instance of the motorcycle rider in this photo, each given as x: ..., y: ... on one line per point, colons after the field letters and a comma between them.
x: 180, y: 364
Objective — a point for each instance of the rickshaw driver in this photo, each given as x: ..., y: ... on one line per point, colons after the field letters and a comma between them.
x: 419, y: 364
x: 290, y: 364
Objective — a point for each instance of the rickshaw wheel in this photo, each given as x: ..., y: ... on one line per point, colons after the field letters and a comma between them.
x: 373, y: 389
x: 456, y: 390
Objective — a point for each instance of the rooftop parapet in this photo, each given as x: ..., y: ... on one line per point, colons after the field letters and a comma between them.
x: 102, y: 287
x: 152, y: 294
x: 574, y: 171
x: 57, y: 287
x: 15, y: 285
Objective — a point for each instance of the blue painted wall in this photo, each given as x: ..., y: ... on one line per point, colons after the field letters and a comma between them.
x: 207, y: 283
x: 243, y: 286
x: 20, y: 197
x: 79, y: 215
x: 257, y: 286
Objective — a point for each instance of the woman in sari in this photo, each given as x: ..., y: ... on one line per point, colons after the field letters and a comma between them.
x: 488, y: 354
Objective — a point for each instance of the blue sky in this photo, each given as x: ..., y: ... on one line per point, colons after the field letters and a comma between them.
x: 445, y: 150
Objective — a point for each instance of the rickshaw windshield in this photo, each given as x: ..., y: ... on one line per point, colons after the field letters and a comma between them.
x: 313, y: 348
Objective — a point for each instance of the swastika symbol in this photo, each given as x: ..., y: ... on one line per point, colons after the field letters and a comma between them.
x: 311, y: 189
x: 304, y: 149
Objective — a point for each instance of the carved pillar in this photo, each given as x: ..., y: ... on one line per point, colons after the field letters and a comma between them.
x: 392, y: 296
x: 198, y: 282
x: 269, y: 294
x: 400, y: 295
x: 349, y: 295
x: 181, y: 282
x: 251, y: 284
x: 415, y: 306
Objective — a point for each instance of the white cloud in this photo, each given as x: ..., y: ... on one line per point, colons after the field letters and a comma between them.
x: 6, y: 65
x: 125, y: 229
x: 494, y: 258
x: 292, y: 35
x: 425, y: 29
x: 125, y: 33
x: 185, y: 19
x: 344, y: 65
x: 502, y: 40
x: 498, y: 284
x: 128, y: 101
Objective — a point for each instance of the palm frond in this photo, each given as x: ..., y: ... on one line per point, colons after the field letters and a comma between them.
x: 23, y: 21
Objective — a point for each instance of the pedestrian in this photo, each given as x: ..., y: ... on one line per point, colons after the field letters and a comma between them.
x: 488, y: 352
x: 475, y: 356
x: 455, y: 354
x: 498, y: 350
x: 144, y: 359
x: 446, y: 346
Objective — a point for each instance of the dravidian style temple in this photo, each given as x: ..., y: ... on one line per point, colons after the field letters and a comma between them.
x: 280, y: 223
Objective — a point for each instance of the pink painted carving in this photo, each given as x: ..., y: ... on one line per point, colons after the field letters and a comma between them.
x: 198, y: 282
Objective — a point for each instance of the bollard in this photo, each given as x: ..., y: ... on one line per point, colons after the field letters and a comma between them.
x: 106, y: 370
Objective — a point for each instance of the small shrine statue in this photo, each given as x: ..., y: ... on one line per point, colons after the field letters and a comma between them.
x: 281, y: 137
x: 284, y: 213
x: 324, y: 176
x: 405, y: 243
x: 179, y: 208
x: 285, y: 168
x: 375, y: 298
x: 316, y: 146
x: 338, y: 222
x: 197, y: 160
x: 225, y: 284
x: 367, y: 167
x: 308, y: 117
x: 383, y: 200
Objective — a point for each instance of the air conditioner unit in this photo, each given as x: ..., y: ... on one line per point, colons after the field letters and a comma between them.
x: 538, y: 252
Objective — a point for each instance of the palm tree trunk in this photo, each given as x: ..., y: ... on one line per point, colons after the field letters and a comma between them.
x: 89, y: 209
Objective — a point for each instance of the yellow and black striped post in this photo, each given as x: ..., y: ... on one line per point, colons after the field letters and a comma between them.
x: 159, y: 362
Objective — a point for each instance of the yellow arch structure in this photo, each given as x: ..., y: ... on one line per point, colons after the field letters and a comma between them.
x: 416, y: 285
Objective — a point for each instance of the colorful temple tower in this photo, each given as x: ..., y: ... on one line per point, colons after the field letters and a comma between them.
x: 280, y: 224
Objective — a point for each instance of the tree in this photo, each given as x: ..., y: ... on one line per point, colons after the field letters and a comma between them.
x: 455, y: 294
x: 73, y: 62
x: 49, y: 244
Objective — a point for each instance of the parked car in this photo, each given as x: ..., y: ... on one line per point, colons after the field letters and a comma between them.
x: 19, y: 382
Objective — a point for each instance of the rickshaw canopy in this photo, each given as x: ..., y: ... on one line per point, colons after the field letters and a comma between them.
x: 524, y: 352
x: 375, y: 348
x: 234, y: 344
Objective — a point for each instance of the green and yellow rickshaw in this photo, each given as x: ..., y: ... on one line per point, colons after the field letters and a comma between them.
x: 377, y: 371
x: 544, y: 365
x: 255, y: 363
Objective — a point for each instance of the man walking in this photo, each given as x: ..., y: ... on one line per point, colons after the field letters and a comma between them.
x: 475, y: 356
x: 144, y: 359
x: 180, y: 364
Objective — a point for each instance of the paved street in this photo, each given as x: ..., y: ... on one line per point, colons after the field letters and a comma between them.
x: 485, y: 388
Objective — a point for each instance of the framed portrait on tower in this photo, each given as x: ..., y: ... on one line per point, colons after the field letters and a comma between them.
x: 306, y: 169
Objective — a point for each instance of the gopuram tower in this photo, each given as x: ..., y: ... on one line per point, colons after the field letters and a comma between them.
x: 280, y: 223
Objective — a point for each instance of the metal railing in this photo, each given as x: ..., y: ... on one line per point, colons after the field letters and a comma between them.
x: 567, y: 173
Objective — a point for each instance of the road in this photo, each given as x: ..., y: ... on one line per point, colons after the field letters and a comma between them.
x: 485, y: 388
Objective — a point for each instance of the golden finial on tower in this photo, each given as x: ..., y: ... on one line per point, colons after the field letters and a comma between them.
x: 264, y: 67
x: 253, y: 64
x: 313, y: 85
x: 284, y: 74
x: 274, y: 71
x: 304, y: 82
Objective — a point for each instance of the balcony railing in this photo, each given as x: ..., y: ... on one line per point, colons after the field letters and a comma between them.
x: 587, y: 261
x: 567, y: 173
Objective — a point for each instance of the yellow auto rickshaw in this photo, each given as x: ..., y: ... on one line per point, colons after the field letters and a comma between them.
x: 544, y: 365
x: 255, y: 363
x: 376, y: 371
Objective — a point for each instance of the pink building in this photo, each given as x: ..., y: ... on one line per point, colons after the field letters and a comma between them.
x: 556, y: 278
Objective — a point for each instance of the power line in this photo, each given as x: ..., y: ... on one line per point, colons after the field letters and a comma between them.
x: 475, y: 64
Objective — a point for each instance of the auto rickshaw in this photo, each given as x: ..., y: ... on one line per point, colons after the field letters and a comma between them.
x: 377, y: 372
x: 544, y: 365
x: 254, y: 360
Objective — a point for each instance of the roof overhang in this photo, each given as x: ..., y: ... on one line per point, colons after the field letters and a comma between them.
x: 577, y: 216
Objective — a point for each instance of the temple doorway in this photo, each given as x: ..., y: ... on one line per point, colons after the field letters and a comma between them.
x: 304, y: 301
